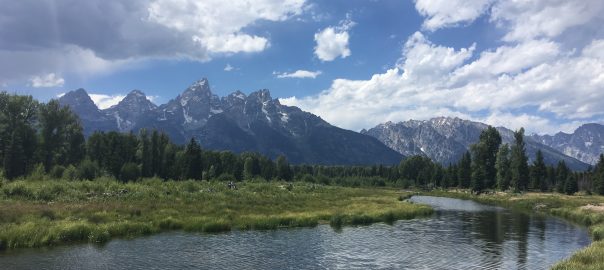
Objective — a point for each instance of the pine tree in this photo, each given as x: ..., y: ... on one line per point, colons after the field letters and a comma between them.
x: 599, y: 176
x: 484, y: 154
x: 146, y: 154
x: 571, y: 185
x: 192, y: 161
x: 502, y: 165
x: 518, y: 163
x: 539, y: 173
x: 155, y: 153
x: 283, y: 169
x: 562, y: 173
x: 248, y: 168
x: 14, y: 158
x: 464, y: 171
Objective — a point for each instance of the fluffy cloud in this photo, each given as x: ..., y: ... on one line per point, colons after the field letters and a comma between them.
x: 332, y: 42
x: 48, y: 80
x: 298, y: 74
x: 544, y: 18
x: 103, y: 35
x: 228, y: 67
x: 447, y: 13
x: 540, y: 77
x: 105, y: 101
x: 542, y: 87
x: 217, y: 25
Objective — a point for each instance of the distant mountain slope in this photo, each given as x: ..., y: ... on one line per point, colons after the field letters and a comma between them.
x: 238, y: 123
x: 91, y: 117
x: 585, y: 144
x: 445, y: 139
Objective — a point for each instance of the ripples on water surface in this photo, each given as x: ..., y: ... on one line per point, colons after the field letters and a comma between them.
x: 460, y: 235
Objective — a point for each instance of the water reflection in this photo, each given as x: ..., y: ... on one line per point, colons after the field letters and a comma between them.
x: 460, y: 235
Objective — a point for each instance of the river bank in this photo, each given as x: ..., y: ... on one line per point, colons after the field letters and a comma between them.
x: 50, y: 213
x: 586, y: 210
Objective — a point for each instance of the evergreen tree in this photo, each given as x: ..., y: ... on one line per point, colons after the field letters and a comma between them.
x: 518, y: 163
x: 61, y: 137
x: 502, y: 165
x: 248, y: 168
x: 192, y: 161
x: 129, y: 172
x: 155, y: 153
x: 14, y: 157
x: 598, y: 176
x: 145, y: 154
x: 539, y: 173
x: 562, y: 173
x: 551, y: 178
x: 283, y: 169
x: 17, y: 135
x: 571, y: 185
x: 464, y: 171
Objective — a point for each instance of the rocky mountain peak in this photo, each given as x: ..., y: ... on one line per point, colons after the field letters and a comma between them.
x: 77, y: 98
x: 262, y: 95
x: 445, y: 139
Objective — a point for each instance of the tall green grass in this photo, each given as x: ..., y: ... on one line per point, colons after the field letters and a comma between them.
x: 54, y: 212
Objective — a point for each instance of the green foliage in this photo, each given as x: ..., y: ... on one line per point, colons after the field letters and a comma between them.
x: 599, y: 176
x: 539, y: 173
x: 519, y: 163
x: 464, y: 172
x: 98, y: 210
x: 484, y: 154
x: 130, y: 172
x: 283, y: 170
x: 502, y: 165
x: 87, y: 170
x: 192, y: 161
x: 571, y: 186
x: 57, y: 172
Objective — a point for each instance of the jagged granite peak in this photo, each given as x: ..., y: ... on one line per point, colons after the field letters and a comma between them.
x: 193, y: 107
x: 240, y: 122
x: 445, y: 139
x: 129, y: 109
x: 586, y: 143
x: 90, y: 116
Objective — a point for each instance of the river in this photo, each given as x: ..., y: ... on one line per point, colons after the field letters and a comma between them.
x: 459, y: 235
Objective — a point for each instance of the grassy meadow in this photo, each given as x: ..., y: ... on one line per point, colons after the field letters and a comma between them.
x: 587, y: 210
x: 54, y: 212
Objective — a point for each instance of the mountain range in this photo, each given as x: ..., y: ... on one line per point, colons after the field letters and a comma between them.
x: 446, y: 139
x: 259, y: 123
x: 237, y: 122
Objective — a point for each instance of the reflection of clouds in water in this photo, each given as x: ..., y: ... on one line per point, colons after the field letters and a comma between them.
x: 481, y: 238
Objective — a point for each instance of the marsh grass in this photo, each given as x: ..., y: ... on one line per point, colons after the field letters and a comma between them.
x: 49, y: 213
x: 564, y: 206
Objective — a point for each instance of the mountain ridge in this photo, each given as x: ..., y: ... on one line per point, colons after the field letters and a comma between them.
x: 446, y: 139
x: 236, y: 122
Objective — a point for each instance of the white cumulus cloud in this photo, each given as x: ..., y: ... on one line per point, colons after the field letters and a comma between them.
x: 298, y: 74
x: 447, y: 13
x: 527, y: 20
x: 332, y: 42
x: 48, y: 80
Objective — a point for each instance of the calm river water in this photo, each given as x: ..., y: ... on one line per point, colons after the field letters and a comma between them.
x: 460, y: 235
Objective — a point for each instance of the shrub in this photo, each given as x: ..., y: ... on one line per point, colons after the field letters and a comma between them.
x: 225, y: 177
x: 87, y: 170
x: 70, y: 173
x: 129, y: 172
x: 57, y: 172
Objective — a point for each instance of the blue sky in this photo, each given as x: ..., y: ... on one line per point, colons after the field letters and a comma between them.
x: 536, y: 64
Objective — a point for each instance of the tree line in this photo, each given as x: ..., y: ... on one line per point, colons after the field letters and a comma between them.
x: 46, y: 139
